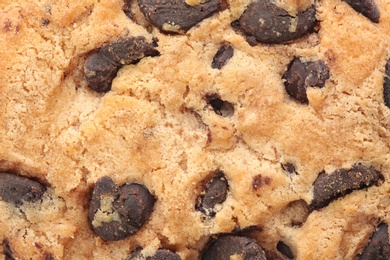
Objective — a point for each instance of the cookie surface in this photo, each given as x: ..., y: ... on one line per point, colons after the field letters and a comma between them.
x: 189, y: 129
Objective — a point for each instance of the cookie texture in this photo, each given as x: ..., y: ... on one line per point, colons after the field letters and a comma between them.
x: 194, y: 129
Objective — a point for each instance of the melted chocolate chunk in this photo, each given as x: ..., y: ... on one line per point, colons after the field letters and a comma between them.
x: 161, y: 254
x: 16, y: 189
x: 368, y: 8
x: 118, y: 212
x: 386, y: 85
x: 7, y: 251
x: 328, y: 187
x: 222, y: 56
x: 285, y: 250
x: 258, y: 181
x: 230, y: 245
x: 215, y: 192
x: 268, y: 23
x: 300, y: 75
x: 176, y: 15
x: 102, y: 66
x: 221, y: 107
x: 378, y: 248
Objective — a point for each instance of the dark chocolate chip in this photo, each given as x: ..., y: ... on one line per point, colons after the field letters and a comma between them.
x: 290, y: 168
x: 226, y: 246
x: 45, y: 22
x: 161, y: 254
x: 214, y: 192
x: 118, y: 212
x: 127, y: 7
x: 386, y: 85
x: 378, y: 248
x: 222, y: 56
x: 257, y: 182
x: 284, y: 249
x: 48, y: 256
x: 99, y: 72
x: 269, y: 23
x: 102, y: 66
x: 7, y: 250
x: 368, y: 8
x: 129, y: 15
x: 16, y: 189
x: 328, y: 187
x: 300, y: 75
x: 129, y: 50
x: 176, y: 15
x: 221, y: 107
x: 246, y: 230
x: 164, y: 254
x: 135, y: 254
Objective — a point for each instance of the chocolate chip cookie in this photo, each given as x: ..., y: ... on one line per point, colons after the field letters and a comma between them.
x: 195, y: 129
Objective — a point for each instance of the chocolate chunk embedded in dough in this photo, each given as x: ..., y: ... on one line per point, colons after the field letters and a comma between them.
x: 99, y: 72
x: 228, y: 246
x: 215, y: 192
x: 128, y: 50
x: 222, y: 56
x: 258, y: 181
x: 164, y: 254
x: 289, y: 168
x: 16, y: 189
x: 378, y: 248
x: 328, y: 187
x: 102, y: 66
x: 48, y: 256
x: 220, y: 107
x: 118, y: 212
x: 176, y: 15
x: 269, y: 23
x: 386, y: 85
x: 285, y: 250
x: 301, y: 75
x: 7, y: 251
x: 368, y: 8
x: 135, y: 254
